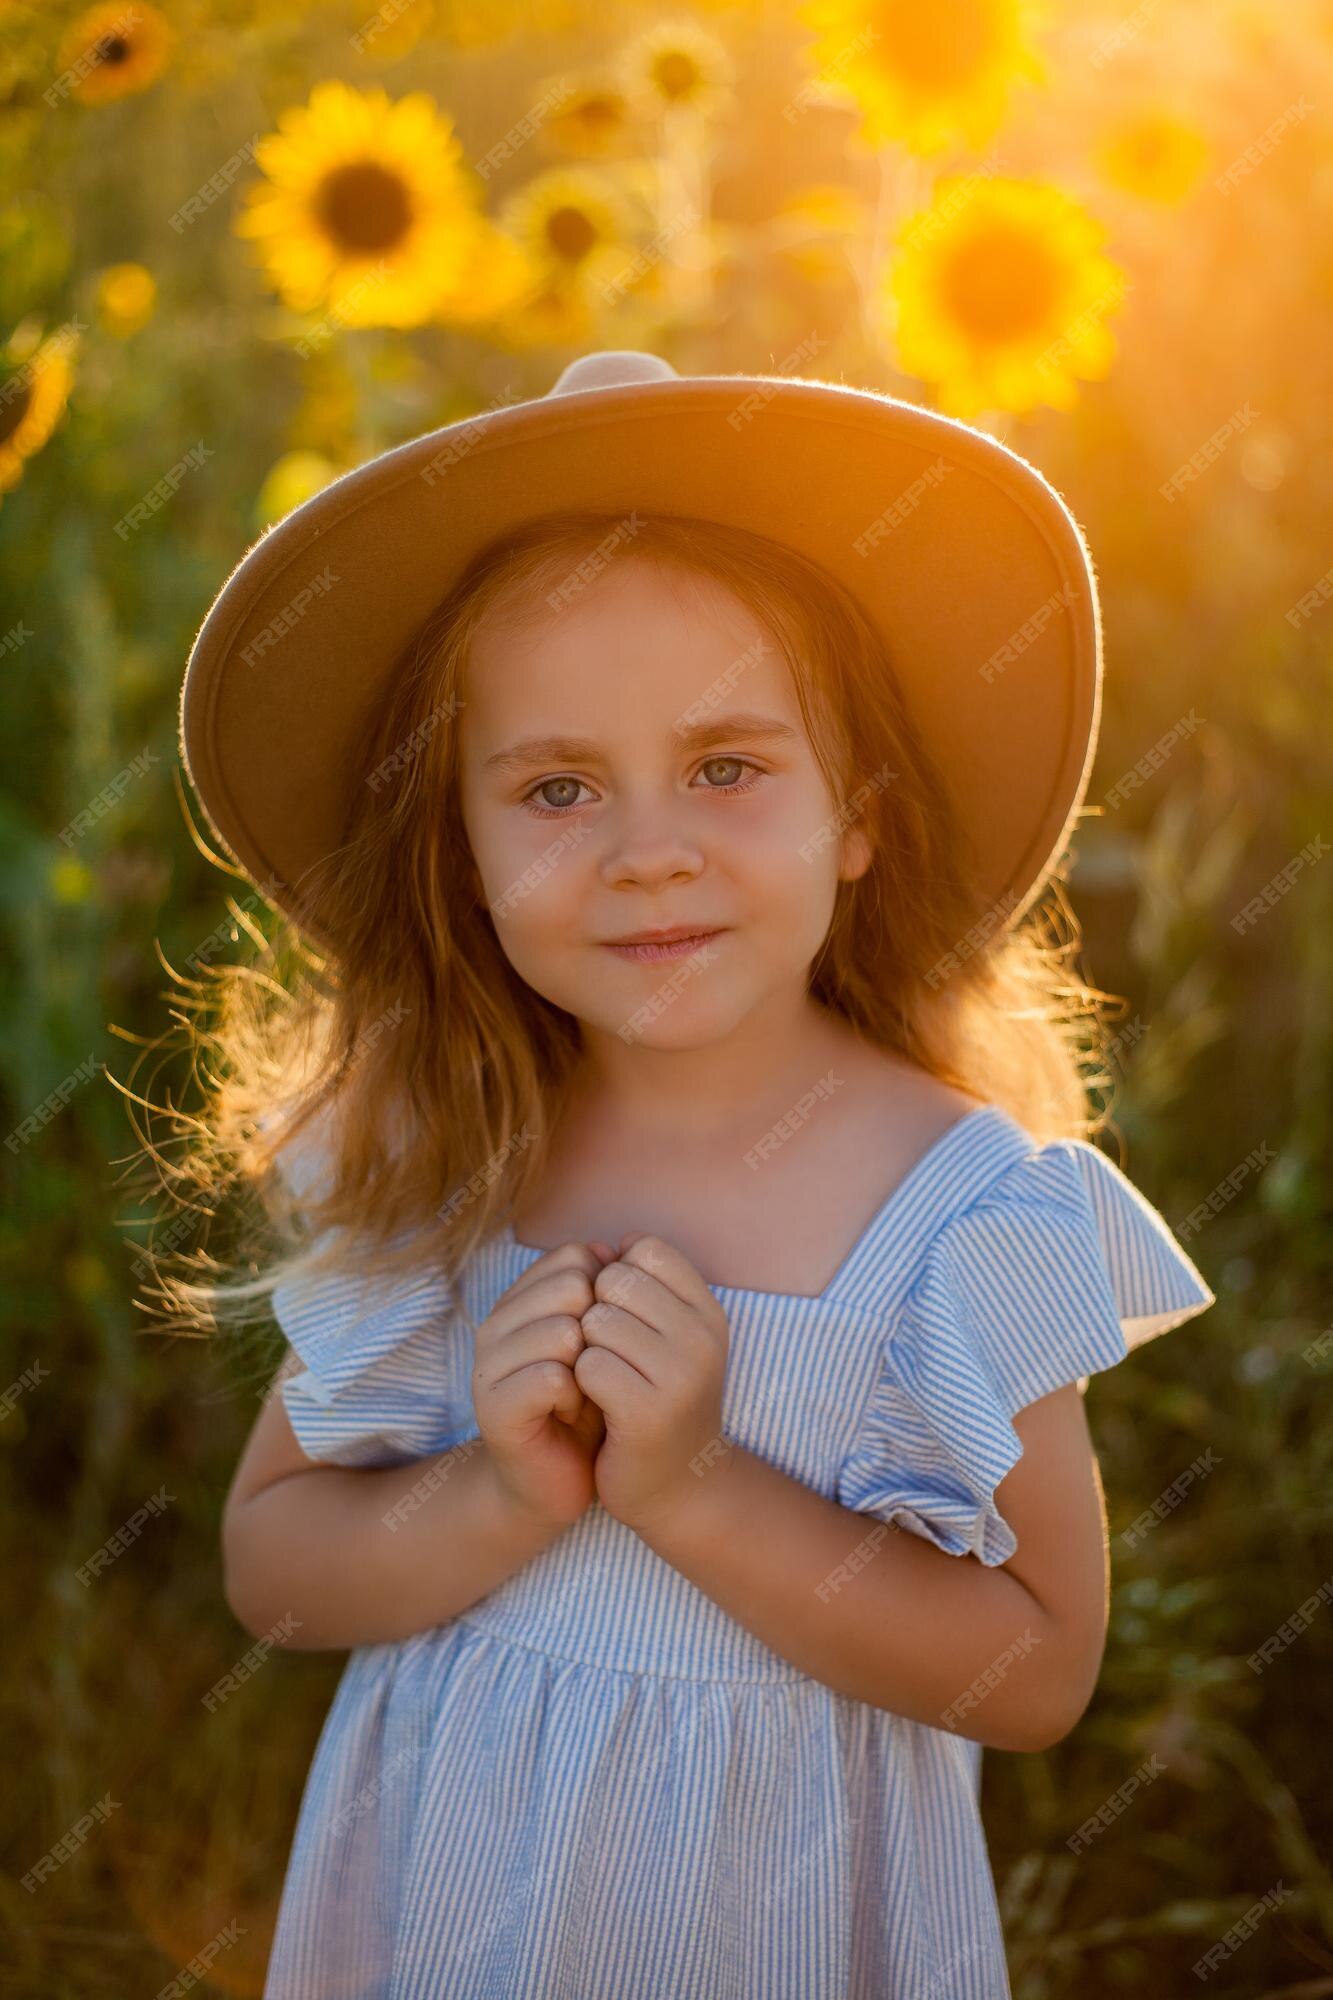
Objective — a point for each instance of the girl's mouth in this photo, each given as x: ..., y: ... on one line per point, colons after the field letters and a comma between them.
x: 649, y: 954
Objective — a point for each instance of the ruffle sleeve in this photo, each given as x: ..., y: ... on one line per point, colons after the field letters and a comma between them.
x: 1054, y: 1273
x: 384, y: 1379
x: 387, y: 1372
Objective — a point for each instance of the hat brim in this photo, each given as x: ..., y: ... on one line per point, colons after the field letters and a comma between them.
x: 962, y: 554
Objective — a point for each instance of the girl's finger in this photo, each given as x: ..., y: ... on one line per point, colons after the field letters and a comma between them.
x: 564, y: 1287
x: 542, y: 1388
x: 557, y: 1337
x: 621, y: 1334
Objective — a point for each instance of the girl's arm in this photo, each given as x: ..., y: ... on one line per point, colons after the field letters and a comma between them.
x: 1006, y: 1654
x: 322, y: 1556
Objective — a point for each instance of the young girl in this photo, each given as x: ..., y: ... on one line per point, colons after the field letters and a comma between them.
x: 693, y: 1257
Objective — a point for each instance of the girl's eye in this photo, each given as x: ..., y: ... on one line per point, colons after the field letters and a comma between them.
x: 563, y: 807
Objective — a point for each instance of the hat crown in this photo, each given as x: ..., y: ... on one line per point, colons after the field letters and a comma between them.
x: 614, y: 368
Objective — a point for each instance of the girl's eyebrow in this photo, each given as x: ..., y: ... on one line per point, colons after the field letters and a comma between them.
x: 693, y: 736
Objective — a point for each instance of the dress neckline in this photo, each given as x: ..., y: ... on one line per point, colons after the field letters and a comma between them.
x: 949, y: 1187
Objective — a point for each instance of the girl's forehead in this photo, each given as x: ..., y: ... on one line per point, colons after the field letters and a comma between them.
x: 627, y: 641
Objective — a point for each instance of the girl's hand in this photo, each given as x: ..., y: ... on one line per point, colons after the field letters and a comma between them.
x: 541, y: 1430
x: 654, y: 1360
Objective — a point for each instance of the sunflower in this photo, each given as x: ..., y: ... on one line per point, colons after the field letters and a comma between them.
x: 497, y: 273
x: 126, y: 298
x: 33, y: 396
x: 1154, y: 154
x: 1000, y: 297
x: 292, y: 480
x: 114, y: 49
x: 557, y: 314
x: 576, y: 224
x: 675, y: 67
x: 590, y: 120
x: 924, y: 77
x: 366, y: 210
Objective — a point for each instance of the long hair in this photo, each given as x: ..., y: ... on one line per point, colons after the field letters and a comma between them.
x: 420, y: 1079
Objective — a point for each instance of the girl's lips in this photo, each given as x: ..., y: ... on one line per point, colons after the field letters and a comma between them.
x: 649, y: 954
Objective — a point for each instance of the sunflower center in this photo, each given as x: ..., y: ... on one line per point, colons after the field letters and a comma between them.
x: 675, y: 74
x: 112, y: 49
x: 935, y: 49
x: 1002, y: 285
x: 364, y: 207
x: 15, y: 397
x: 570, y: 233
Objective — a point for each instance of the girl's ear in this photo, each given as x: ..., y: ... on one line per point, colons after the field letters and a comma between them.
x: 856, y: 855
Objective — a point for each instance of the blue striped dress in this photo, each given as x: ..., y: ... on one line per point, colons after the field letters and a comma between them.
x: 594, y: 1783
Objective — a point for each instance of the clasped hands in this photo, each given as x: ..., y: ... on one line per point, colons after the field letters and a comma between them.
x: 653, y: 1363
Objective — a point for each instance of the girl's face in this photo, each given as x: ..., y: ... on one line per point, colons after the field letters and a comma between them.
x: 634, y: 759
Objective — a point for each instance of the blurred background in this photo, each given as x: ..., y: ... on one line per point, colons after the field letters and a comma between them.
x: 242, y: 251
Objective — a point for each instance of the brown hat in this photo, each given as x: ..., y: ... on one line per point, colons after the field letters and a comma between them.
x: 964, y: 557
